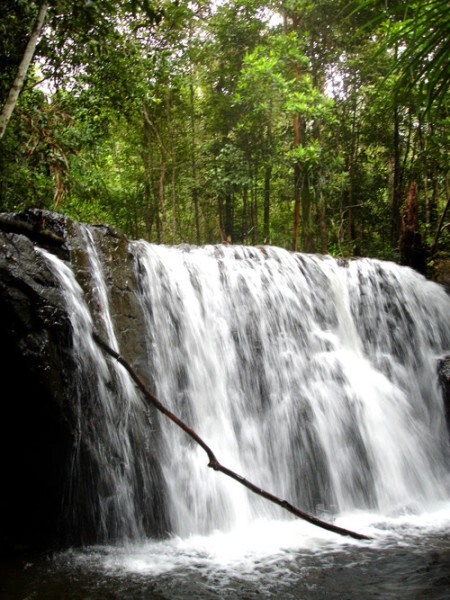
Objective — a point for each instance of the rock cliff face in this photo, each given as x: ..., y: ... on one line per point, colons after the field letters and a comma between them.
x: 38, y: 427
x: 36, y: 433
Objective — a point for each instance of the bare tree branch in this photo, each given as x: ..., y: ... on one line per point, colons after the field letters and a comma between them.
x: 213, y: 462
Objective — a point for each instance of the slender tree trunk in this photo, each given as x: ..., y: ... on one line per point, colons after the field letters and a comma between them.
x: 308, y: 244
x: 396, y: 184
x: 254, y: 172
x: 174, y: 221
x: 425, y: 174
x: 297, y: 181
x: 228, y: 218
x: 245, y: 214
x: 194, y: 188
x: 296, y: 208
x: 268, y: 178
x: 162, y: 201
x: 267, y: 181
x: 22, y: 70
x: 351, y: 183
x: 162, y: 176
x: 323, y: 222
x: 301, y: 191
x: 149, y: 209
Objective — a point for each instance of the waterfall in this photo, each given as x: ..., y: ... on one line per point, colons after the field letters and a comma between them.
x: 112, y: 481
x: 313, y: 379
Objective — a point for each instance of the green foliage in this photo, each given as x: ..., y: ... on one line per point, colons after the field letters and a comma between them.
x: 175, y: 121
x: 417, y: 33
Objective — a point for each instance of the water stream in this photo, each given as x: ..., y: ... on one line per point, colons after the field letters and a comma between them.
x: 315, y: 380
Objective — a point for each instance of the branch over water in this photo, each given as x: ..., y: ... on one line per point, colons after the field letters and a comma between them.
x: 213, y: 462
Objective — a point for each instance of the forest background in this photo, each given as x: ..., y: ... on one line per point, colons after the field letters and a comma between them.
x: 320, y: 126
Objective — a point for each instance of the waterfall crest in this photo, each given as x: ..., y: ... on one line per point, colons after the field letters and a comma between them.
x: 315, y: 380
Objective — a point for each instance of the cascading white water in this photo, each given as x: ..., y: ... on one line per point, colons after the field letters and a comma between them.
x: 111, y: 487
x: 313, y: 380
x: 109, y: 446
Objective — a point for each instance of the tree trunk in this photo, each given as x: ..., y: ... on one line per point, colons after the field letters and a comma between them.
x: 297, y: 182
x: 267, y: 180
x: 22, y: 70
x: 162, y: 175
x: 174, y: 220
x: 175, y: 223
x: 351, y: 184
x: 228, y: 218
x: 396, y: 200
x: 300, y: 184
x: 149, y: 208
x: 307, y: 232
x: 323, y: 223
x: 412, y: 249
x: 194, y: 187
x: 254, y: 172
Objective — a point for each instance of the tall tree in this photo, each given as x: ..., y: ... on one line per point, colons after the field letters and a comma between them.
x: 24, y: 65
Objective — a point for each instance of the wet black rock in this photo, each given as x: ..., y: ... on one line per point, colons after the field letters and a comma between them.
x: 35, y: 429
x: 38, y: 429
x: 444, y: 378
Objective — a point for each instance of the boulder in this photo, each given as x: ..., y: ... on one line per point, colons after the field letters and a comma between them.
x: 39, y: 433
